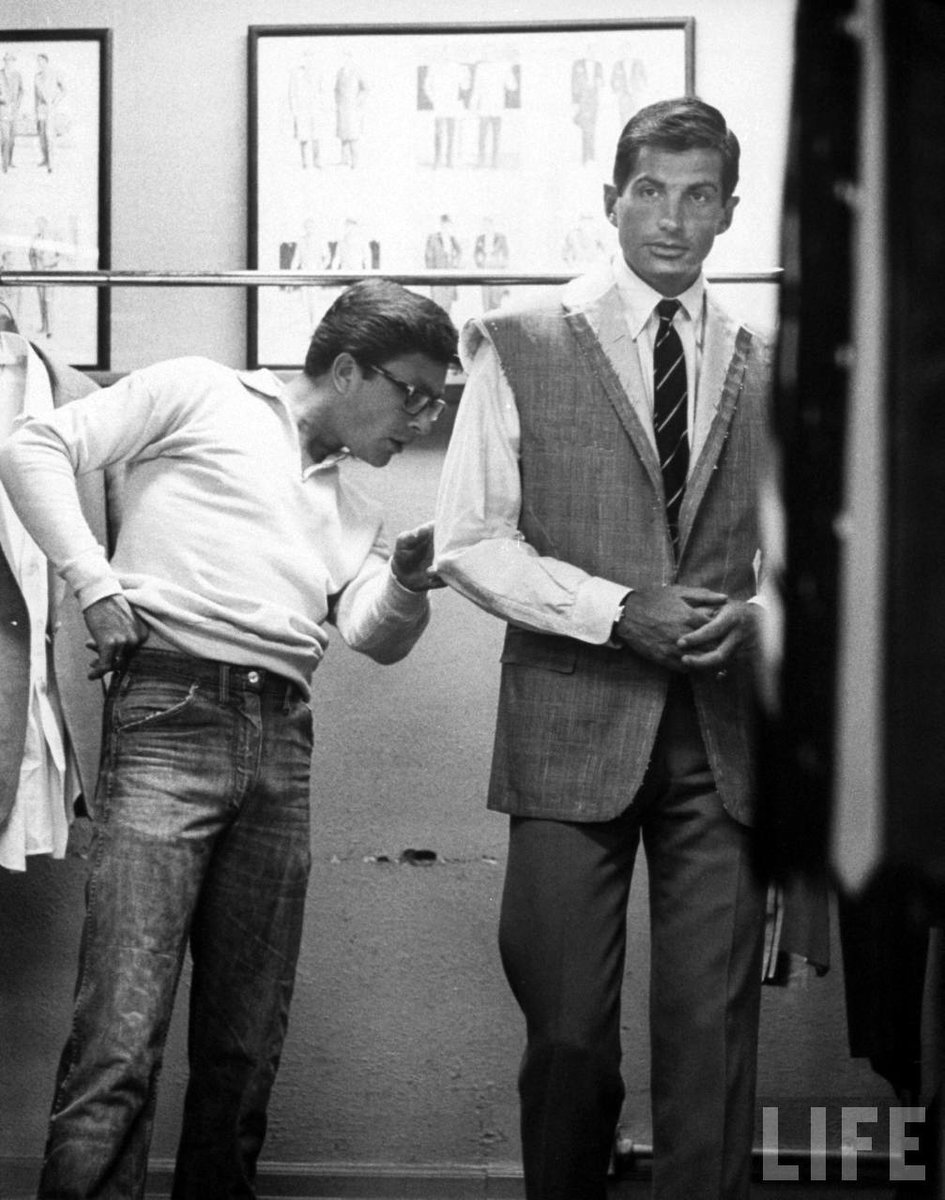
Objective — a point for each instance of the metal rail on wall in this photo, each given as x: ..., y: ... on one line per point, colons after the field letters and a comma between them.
x: 256, y: 278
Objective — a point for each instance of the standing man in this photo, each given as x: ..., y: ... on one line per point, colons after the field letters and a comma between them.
x: 44, y: 255
x: 445, y: 84
x: 11, y: 97
x: 628, y: 82
x: 350, y: 95
x: 599, y: 495
x: 240, y: 535
x: 587, y: 82
x: 311, y: 254
x: 491, y: 250
x: 48, y: 91
x: 310, y: 109
x: 443, y: 251
x: 494, y: 82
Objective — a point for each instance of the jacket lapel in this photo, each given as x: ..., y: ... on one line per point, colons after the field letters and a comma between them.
x: 595, y: 315
x: 724, y: 361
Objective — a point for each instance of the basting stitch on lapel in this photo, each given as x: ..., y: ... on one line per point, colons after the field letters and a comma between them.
x: 718, y: 435
x: 591, y: 347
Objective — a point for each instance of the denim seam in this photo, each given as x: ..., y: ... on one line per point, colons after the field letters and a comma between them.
x: 122, y: 727
x: 82, y: 983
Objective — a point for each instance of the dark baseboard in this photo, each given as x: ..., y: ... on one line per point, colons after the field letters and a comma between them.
x: 394, y: 1181
x: 372, y: 1181
x: 340, y: 1181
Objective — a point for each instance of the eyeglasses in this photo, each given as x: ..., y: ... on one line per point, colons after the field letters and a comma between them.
x: 416, y: 400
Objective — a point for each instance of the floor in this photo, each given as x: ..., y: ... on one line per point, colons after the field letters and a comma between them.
x: 626, y: 1190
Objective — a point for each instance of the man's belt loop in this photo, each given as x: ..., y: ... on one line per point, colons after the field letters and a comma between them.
x: 224, y: 682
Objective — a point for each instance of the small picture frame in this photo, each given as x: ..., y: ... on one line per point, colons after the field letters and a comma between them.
x: 55, y: 157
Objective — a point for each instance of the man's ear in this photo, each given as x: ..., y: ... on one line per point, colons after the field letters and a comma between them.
x: 611, y: 196
x: 728, y: 211
x: 344, y: 371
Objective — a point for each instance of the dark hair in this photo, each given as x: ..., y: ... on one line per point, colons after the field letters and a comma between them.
x: 681, y: 124
x: 376, y: 319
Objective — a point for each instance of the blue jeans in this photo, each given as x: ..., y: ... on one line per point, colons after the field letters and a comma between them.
x: 201, y: 836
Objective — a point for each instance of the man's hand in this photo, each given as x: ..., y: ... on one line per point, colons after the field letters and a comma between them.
x: 732, y: 633
x: 116, y: 631
x: 656, y: 621
x: 413, y: 559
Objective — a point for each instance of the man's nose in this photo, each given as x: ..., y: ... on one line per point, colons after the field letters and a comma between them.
x: 671, y: 212
x: 422, y: 423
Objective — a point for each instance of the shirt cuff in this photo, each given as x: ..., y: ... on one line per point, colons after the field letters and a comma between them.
x: 93, y: 592
x: 403, y: 599
x: 595, y: 609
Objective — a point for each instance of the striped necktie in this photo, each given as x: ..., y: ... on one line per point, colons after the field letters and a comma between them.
x: 670, y: 413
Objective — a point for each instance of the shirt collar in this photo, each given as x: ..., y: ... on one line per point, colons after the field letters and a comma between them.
x: 639, y: 299
x: 327, y: 463
x: 263, y: 381
x: 271, y: 386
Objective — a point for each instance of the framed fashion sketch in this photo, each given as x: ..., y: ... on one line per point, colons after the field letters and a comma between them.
x: 412, y: 148
x: 55, y: 87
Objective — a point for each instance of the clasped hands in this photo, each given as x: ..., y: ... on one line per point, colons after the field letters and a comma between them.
x: 688, y: 629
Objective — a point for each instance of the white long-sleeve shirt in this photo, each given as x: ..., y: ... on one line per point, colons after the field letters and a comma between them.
x: 479, y: 548
x: 225, y: 546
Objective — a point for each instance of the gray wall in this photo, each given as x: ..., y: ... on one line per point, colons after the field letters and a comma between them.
x: 404, y: 1042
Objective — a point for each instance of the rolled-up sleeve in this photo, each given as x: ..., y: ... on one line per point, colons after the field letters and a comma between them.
x: 378, y: 616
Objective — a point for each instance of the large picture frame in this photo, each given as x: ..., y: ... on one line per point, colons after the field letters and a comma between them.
x: 55, y: 154
x: 437, y: 147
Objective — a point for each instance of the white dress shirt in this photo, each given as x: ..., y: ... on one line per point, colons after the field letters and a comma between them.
x: 479, y: 548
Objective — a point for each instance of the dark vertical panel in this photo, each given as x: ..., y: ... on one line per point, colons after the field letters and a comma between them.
x: 915, y: 814
x: 809, y: 416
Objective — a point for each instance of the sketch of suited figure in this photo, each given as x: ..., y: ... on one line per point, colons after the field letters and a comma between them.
x: 587, y: 80
x: 352, y: 251
x: 491, y: 249
x: 445, y: 84
x: 44, y: 255
x: 310, y: 255
x: 11, y: 97
x: 10, y: 297
x: 310, y: 106
x: 444, y: 252
x: 492, y: 84
x: 629, y: 84
x: 48, y: 91
x: 583, y: 244
x: 350, y: 92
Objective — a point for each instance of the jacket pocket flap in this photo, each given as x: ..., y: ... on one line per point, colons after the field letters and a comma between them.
x: 545, y: 651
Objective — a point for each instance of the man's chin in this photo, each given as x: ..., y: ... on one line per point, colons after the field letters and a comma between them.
x: 670, y: 275
x: 380, y: 456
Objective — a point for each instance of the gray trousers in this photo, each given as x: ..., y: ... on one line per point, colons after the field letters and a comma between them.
x: 563, y: 940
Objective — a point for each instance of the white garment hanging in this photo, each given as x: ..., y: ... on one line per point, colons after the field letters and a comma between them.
x: 49, y: 778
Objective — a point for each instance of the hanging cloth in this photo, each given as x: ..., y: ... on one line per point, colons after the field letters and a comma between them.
x: 38, y: 822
